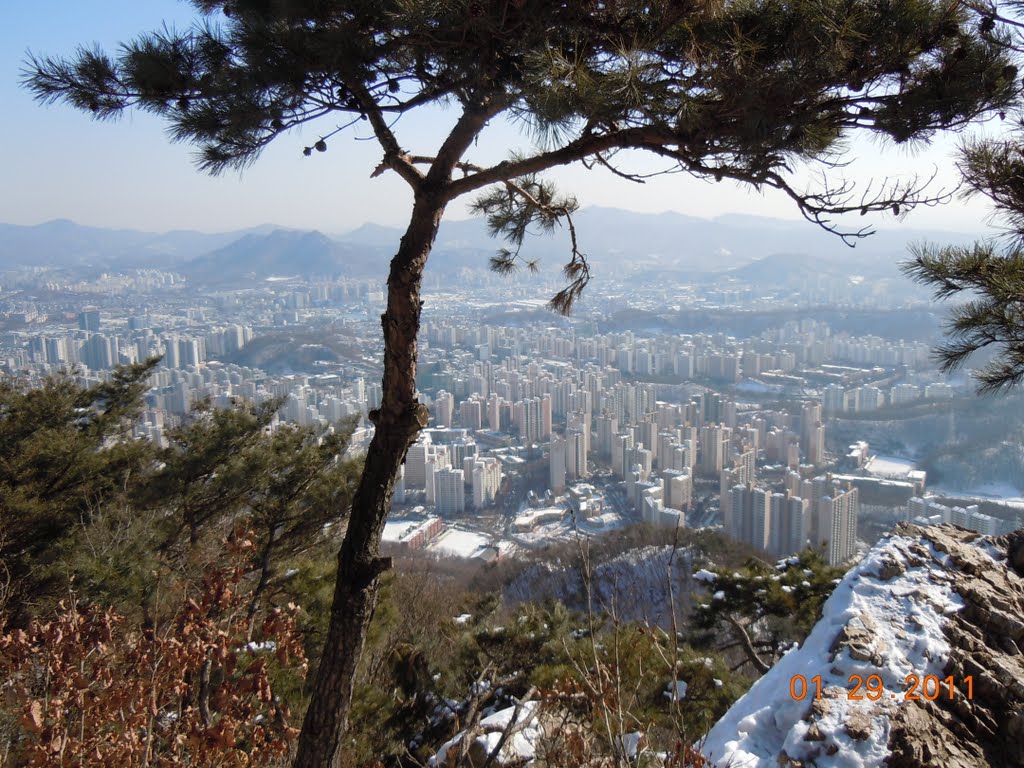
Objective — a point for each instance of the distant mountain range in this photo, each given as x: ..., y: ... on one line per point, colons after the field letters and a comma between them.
x: 662, y: 246
x: 62, y: 243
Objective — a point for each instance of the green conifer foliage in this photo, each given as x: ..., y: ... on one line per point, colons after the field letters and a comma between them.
x: 761, y: 609
x: 63, y: 458
x: 988, y: 276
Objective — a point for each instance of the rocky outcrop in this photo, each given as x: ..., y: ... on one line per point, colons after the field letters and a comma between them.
x: 985, y: 639
x: 917, y: 662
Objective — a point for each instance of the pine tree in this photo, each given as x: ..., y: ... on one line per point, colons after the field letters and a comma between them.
x: 763, y: 610
x: 742, y: 90
x: 62, y: 456
x: 989, y: 275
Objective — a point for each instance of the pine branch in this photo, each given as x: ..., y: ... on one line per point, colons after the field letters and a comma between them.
x: 991, y: 316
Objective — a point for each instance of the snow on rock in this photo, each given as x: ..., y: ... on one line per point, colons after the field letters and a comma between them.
x: 632, y: 743
x: 266, y: 646
x: 705, y: 575
x: 522, y: 722
x: 912, y: 606
x: 676, y: 691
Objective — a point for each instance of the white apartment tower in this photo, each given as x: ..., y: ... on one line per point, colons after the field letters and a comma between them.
x: 714, y: 444
x: 837, y: 524
x: 791, y: 523
x: 450, y: 493
x: 444, y: 409
x: 677, y: 488
x: 486, y: 482
x: 576, y: 454
x: 416, y: 462
x: 812, y: 433
x: 750, y: 516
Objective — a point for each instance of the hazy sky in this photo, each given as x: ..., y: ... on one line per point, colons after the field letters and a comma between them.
x: 58, y: 163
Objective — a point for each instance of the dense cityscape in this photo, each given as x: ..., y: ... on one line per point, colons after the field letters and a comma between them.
x: 543, y: 428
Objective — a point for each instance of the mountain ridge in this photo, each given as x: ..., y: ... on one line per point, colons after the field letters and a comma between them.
x: 667, y: 243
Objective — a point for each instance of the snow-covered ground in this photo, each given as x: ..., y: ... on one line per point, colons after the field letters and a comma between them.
x: 458, y: 543
x: 544, y: 533
x: 635, y: 584
x: 894, y: 628
x: 531, y: 518
x: 889, y: 466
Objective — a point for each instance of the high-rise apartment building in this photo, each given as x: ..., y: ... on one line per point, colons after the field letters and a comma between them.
x: 444, y: 409
x: 533, y: 419
x: 812, y: 433
x: 750, y: 516
x: 677, y: 488
x: 89, y: 319
x: 714, y: 446
x: 837, y: 523
x: 486, y: 481
x: 580, y: 420
x: 622, y: 446
x: 494, y: 412
x: 790, y: 524
x: 576, y: 454
x: 471, y: 413
x: 556, y: 465
x: 450, y: 493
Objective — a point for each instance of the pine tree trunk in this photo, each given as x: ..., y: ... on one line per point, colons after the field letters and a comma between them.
x: 398, y: 421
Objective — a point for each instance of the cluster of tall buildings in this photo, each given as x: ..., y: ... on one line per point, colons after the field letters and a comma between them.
x: 839, y: 399
x: 818, y: 512
x: 589, y: 414
x: 777, y: 353
x: 98, y: 350
x: 568, y: 459
x: 584, y: 400
x: 444, y: 464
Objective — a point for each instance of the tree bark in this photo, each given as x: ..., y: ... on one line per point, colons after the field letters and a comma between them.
x: 266, y: 572
x: 748, y: 646
x: 398, y: 420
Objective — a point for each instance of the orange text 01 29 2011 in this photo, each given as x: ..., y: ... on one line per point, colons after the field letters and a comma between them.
x: 872, y: 688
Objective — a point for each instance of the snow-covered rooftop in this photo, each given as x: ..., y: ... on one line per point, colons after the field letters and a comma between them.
x: 889, y: 466
x: 459, y: 543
